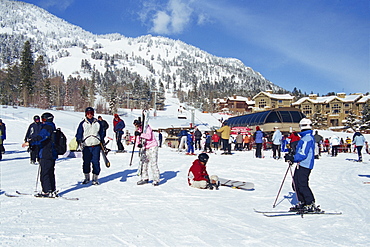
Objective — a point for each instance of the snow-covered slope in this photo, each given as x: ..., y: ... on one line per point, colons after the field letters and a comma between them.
x: 120, y: 213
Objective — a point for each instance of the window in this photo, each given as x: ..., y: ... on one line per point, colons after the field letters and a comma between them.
x: 262, y: 103
x: 336, y: 109
x: 307, y: 110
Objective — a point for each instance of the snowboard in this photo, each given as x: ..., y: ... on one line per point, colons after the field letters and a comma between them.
x: 104, y: 152
x: 236, y: 184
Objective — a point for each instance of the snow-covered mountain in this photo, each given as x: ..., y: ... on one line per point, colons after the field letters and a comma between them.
x: 73, y: 51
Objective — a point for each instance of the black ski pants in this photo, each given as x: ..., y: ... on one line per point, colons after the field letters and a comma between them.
x: 303, y: 191
x: 47, y: 176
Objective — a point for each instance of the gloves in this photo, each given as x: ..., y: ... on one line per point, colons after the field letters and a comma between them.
x: 140, y: 145
x: 137, y: 133
x: 289, y: 157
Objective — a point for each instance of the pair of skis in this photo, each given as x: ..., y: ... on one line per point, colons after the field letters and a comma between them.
x: 145, y: 121
x: 290, y: 213
x: 19, y: 194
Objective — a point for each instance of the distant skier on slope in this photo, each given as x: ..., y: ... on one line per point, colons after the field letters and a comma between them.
x: 198, y: 176
x: 305, y: 158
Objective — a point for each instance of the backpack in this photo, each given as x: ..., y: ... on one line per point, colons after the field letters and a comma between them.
x: 60, y: 141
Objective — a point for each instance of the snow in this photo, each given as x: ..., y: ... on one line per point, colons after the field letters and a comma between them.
x: 120, y: 213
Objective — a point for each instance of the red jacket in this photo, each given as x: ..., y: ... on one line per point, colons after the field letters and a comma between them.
x: 197, y: 172
x: 294, y: 137
x: 215, y: 138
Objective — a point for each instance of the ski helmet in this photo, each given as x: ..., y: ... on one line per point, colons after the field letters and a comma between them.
x: 305, y: 124
x: 36, y: 118
x: 203, y: 157
x: 47, y: 117
x: 89, y: 110
x: 137, y: 122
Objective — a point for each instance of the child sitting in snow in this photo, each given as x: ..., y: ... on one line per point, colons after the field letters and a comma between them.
x: 198, y: 176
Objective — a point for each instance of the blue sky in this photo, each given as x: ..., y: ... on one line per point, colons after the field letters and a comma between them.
x: 318, y: 46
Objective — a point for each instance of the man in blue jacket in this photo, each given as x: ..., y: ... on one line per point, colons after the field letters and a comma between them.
x: 304, y: 157
x: 47, y: 155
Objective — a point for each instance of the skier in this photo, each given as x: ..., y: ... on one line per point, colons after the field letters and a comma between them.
x: 32, y: 131
x: 207, y: 144
x: 304, y: 157
x: 277, y: 138
x: 258, y: 139
x: 149, y: 155
x: 318, y: 141
x: 104, y: 125
x: 90, y: 135
x: 198, y: 176
x: 2, y: 136
x: 190, y: 143
x: 47, y: 155
x: 215, y: 140
x: 359, y: 141
x: 119, y: 125
x: 246, y: 140
x: 294, y: 138
x: 335, y: 142
x: 225, y: 136
x: 183, y: 136
x: 197, y: 137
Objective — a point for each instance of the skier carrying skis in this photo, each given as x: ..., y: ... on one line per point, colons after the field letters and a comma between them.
x: 47, y: 155
x: 33, y: 130
x: 198, y: 176
x: 149, y: 156
x: 89, y: 135
x: 304, y: 157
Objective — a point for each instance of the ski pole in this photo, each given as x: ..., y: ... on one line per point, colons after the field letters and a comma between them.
x: 281, y: 186
x: 133, y: 149
x: 37, y: 178
x: 294, y: 186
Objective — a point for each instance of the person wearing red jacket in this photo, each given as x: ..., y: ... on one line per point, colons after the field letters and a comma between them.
x: 294, y: 138
x: 198, y: 176
x: 215, y: 140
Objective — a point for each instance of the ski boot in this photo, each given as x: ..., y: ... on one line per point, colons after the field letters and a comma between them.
x: 95, y: 180
x: 143, y: 181
x: 155, y: 183
x: 87, y: 178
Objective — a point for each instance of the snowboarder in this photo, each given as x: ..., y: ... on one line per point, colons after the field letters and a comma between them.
x: 149, y: 156
x: 90, y: 135
x: 359, y: 141
x: 32, y: 131
x: 119, y: 125
x: 305, y: 158
x: 198, y: 176
x: 277, y: 138
x: 47, y: 155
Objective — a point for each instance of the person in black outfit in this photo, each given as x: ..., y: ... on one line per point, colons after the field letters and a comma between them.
x: 33, y: 131
x: 2, y: 136
x: 47, y: 155
x: 104, y: 124
x: 197, y: 137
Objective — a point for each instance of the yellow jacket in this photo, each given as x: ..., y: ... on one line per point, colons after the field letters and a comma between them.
x: 225, y: 132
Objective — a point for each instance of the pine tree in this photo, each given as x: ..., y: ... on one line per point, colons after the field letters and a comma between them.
x: 365, y: 118
x: 27, y: 79
x: 352, y: 121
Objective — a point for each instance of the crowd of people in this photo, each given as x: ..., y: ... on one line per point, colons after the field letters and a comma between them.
x: 301, y: 147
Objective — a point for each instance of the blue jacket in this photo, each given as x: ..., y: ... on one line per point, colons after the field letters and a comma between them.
x: 43, y: 140
x: 258, y: 136
x: 305, y: 152
x: 189, y: 140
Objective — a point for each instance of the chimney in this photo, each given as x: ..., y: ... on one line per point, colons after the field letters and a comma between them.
x: 234, y: 96
x: 312, y: 96
x: 341, y: 95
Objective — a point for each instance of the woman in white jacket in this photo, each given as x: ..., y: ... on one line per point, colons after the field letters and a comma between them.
x: 359, y: 141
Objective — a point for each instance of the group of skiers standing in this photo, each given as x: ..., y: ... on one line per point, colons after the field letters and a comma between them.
x: 90, y: 137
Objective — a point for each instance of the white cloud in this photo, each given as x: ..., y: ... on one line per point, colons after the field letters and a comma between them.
x: 172, y: 18
x: 60, y: 4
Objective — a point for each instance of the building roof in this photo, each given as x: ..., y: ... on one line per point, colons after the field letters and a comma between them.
x: 278, y: 115
x: 276, y: 96
x: 328, y: 99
